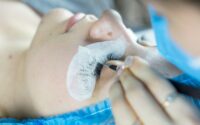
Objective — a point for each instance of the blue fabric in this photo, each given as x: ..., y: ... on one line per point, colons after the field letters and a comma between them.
x: 98, y: 114
x: 187, y: 80
x: 173, y: 53
x: 168, y: 48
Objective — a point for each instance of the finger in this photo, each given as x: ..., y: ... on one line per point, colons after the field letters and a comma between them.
x: 104, y: 82
x: 145, y: 106
x: 53, y: 23
x: 123, y: 113
x: 161, y: 89
x: 114, y: 64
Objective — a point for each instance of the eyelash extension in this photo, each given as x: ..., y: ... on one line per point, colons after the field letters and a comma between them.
x: 99, y: 66
x: 98, y: 69
x: 112, y: 57
x: 86, y: 66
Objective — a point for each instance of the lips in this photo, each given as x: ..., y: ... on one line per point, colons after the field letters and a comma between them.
x: 73, y: 20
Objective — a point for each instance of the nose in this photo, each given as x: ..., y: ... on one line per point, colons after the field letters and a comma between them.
x: 109, y: 26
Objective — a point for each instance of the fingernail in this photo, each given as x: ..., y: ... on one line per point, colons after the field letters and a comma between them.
x: 120, y: 70
x: 128, y: 61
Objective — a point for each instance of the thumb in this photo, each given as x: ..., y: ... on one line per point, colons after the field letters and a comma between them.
x: 104, y: 82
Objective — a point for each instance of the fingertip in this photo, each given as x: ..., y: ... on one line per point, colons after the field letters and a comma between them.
x: 115, y: 62
x: 138, y: 64
x: 107, y: 71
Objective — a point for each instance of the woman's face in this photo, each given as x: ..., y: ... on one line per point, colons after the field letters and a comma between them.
x: 47, y: 61
x: 183, y: 18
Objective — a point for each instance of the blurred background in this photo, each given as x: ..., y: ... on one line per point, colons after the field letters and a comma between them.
x: 133, y: 12
x: 19, y: 23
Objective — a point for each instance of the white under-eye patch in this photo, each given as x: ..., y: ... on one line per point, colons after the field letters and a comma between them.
x: 86, y: 64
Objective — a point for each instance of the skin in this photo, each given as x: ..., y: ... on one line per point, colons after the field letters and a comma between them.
x: 38, y: 84
x: 32, y: 90
x: 138, y: 92
x: 183, y: 19
x: 27, y: 85
x: 16, y: 36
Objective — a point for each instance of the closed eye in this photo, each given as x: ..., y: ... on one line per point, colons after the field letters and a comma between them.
x: 99, y: 65
x: 86, y: 66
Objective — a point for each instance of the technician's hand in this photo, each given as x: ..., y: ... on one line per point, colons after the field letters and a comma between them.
x: 142, y: 97
x: 110, y: 26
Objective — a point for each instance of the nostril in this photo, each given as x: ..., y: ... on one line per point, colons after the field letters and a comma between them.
x: 110, y: 34
x: 108, y: 27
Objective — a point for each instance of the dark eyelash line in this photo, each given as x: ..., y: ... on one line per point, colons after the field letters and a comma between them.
x: 99, y: 66
x: 111, y: 57
x: 98, y: 69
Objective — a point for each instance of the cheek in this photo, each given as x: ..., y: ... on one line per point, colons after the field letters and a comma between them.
x: 186, y: 36
x: 46, y: 71
x: 46, y: 75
